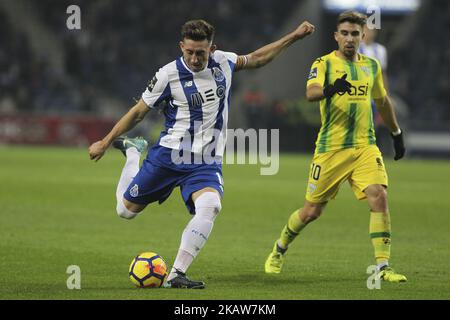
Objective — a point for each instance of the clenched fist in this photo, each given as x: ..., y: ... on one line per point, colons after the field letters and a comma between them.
x: 97, y: 150
x: 304, y: 30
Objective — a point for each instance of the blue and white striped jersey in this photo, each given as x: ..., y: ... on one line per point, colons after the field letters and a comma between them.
x: 375, y: 50
x: 198, y: 102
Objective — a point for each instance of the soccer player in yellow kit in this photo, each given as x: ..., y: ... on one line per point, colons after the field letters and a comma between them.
x: 345, y: 82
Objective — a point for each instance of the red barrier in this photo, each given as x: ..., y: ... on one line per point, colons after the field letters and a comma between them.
x: 27, y: 129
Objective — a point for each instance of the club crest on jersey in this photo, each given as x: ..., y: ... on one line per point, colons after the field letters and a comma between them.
x: 312, y: 73
x: 134, y: 191
x: 366, y: 70
x: 218, y: 74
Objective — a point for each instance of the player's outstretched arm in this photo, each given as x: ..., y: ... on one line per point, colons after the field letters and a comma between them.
x: 264, y: 55
x: 125, y: 124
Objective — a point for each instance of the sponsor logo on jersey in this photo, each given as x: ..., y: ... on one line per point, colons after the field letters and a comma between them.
x: 152, y: 84
x: 357, y: 91
x: 318, y: 60
x: 379, y: 163
x: 197, y: 99
x: 312, y: 73
x: 188, y: 84
x: 220, y: 91
x: 209, y: 94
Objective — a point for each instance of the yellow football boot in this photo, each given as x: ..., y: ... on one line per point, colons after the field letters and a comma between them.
x: 274, y: 261
x: 388, y: 274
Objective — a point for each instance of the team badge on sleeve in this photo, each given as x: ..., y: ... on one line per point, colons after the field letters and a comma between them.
x: 312, y: 73
x: 311, y: 188
x: 134, y: 191
x: 152, y: 84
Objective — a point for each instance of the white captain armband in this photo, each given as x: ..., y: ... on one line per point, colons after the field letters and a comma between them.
x: 245, y: 61
x: 241, y: 62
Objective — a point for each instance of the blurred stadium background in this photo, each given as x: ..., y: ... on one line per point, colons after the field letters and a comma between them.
x: 67, y: 87
x: 61, y: 89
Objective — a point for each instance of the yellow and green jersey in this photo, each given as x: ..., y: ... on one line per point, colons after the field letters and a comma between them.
x: 347, y: 118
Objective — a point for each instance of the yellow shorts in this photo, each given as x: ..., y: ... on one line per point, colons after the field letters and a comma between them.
x: 361, y: 167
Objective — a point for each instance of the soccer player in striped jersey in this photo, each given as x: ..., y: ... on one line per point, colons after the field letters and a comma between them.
x: 345, y: 82
x: 196, y: 88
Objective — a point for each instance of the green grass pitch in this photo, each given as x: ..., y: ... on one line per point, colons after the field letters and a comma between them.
x: 58, y: 209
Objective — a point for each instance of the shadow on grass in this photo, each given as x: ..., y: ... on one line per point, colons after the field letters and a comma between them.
x: 262, y: 279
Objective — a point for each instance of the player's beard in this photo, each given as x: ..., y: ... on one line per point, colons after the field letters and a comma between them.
x: 198, y: 67
x: 349, y: 52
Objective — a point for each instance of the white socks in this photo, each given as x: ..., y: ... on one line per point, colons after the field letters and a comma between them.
x: 382, y: 265
x: 194, y: 237
x: 129, y: 171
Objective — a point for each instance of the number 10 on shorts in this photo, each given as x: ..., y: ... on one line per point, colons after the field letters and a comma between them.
x: 315, y: 171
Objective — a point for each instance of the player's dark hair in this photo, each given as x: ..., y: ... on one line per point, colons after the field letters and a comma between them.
x: 197, y: 30
x: 352, y: 17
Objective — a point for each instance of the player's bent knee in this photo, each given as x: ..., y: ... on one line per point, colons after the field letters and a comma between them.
x: 124, y: 212
x: 208, y: 204
x: 312, y: 215
x: 382, y: 196
x: 311, y: 211
x: 377, y: 197
x: 378, y: 193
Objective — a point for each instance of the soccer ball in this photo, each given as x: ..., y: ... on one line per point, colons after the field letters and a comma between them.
x: 148, y: 270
